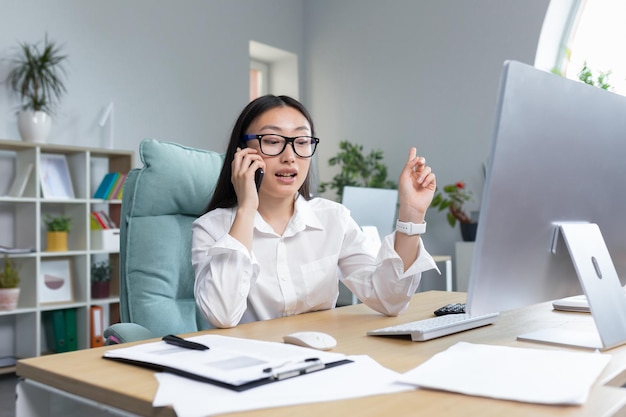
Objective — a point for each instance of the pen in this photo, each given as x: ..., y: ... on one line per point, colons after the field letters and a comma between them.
x: 299, y: 368
x: 180, y: 342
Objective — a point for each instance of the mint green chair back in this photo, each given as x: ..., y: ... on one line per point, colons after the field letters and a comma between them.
x: 160, y: 202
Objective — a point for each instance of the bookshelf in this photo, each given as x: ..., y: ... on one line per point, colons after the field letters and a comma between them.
x: 23, y: 330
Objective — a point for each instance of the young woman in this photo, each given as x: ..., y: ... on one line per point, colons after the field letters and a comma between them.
x: 278, y: 252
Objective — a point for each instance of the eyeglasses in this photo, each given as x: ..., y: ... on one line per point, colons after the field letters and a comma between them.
x: 272, y: 144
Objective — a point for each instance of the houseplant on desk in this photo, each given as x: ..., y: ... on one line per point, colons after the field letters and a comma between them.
x: 37, y: 78
x: 452, y: 198
x: 57, y: 229
x: 9, y: 285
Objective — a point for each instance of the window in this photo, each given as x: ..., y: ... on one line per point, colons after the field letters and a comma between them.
x: 598, y: 41
x: 585, y: 32
x: 259, y: 79
x: 272, y: 71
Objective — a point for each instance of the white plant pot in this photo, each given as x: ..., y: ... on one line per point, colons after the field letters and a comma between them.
x: 34, y: 126
x: 9, y: 298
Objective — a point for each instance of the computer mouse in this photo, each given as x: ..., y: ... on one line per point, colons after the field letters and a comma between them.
x: 310, y: 339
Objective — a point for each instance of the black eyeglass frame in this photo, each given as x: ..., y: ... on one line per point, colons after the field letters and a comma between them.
x: 314, y: 141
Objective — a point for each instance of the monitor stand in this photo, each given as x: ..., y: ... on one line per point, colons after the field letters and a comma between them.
x: 602, y: 288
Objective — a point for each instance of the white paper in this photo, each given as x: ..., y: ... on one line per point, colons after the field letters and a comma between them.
x: 519, y: 374
x: 361, y: 378
x: 231, y: 360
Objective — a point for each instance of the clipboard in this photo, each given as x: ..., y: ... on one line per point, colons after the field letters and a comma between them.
x: 232, y: 363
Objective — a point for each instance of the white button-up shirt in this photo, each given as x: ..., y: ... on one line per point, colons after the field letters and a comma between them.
x: 299, y: 271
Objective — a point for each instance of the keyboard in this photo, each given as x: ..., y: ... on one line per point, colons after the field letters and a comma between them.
x: 427, y: 329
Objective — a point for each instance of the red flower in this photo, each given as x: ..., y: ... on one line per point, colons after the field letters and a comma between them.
x: 457, y: 194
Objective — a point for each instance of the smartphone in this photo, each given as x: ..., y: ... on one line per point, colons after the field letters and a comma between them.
x: 258, y: 177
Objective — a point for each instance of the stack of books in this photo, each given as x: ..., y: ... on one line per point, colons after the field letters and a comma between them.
x: 111, y: 187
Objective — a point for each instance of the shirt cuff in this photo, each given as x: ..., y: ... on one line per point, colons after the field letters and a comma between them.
x: 424, y: 261
x: 227, y: 243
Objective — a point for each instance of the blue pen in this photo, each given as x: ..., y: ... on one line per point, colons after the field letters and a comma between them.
x: 180, y: 342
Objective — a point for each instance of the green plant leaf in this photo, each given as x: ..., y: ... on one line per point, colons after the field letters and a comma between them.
x: 357, y: 169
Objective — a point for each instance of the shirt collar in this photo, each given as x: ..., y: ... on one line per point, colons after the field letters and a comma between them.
x: 303, y: 217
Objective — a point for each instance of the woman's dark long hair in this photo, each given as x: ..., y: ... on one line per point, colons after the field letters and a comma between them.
x: 224, y: 195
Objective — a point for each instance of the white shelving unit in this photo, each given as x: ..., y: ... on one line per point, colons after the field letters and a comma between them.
x: 22, y: 332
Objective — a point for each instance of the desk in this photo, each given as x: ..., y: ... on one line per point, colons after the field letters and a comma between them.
x: 84, y: 374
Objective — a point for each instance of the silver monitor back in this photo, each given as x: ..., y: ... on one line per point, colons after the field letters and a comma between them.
x: 558, y: 155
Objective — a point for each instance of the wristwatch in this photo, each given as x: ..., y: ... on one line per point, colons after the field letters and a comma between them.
x: 411, y: 229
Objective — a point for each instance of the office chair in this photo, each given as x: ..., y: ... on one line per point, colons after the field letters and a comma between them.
x: 372, y: 207
x: 160, y: 202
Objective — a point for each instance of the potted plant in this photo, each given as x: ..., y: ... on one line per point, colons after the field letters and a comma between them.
x: 452, y: 198
x: 100, y: 278
x: 357, y: 169
x: 37, y: 78
x: 9, y: 285
x: 57, y: 229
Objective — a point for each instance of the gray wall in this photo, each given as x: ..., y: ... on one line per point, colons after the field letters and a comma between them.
x: 388, y: 74
x: 174, y: 70
x: 400, y: 73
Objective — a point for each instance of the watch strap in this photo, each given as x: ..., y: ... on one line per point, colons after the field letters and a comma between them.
x: 411, y: 229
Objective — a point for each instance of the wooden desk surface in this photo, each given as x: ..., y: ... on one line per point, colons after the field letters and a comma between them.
x: 86, y: 374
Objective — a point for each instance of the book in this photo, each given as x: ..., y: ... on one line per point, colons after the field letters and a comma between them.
x: 96, y: 326
x: 107, y: 193
x: 97, y: 222
x: 115, y: 190
x: 107, y: 220
x: 21, y: 179
x: 105, y: 185
x: 115, y: 183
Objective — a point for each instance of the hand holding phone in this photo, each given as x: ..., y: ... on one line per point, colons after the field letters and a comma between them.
x: 258, y: 177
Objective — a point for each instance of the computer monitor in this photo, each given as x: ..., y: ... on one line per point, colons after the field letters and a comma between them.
x: 558, y: 155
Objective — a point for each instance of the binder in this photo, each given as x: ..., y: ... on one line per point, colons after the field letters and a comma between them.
x: 71, y: 339
x: 55, y: 330
x: 96, y: 326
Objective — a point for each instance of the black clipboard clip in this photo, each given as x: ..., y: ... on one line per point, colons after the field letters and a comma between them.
x: 291, y: 369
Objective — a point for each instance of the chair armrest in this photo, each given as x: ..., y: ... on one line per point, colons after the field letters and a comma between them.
x: 126, y: 332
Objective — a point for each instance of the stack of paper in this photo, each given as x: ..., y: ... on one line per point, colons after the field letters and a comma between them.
x: 528, y: 375
x: 362, y: 377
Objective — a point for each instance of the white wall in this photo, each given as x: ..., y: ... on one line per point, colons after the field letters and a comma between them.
x: 399, y: 73
x: 175, y: 70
